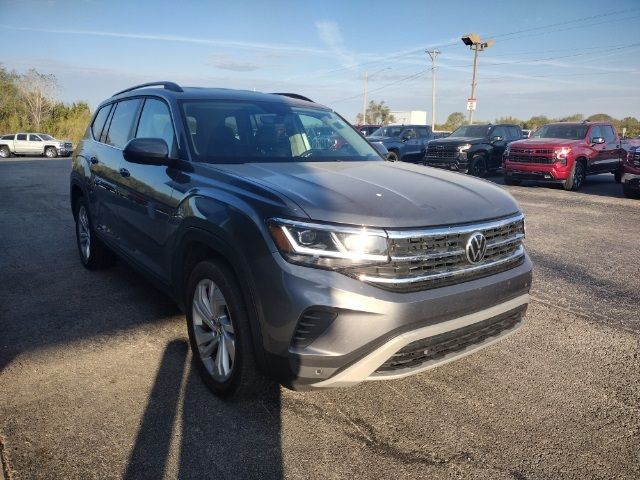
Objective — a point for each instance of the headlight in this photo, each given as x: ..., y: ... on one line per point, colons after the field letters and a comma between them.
x: 328, y: 246
x: 561, y: 154
x: 464, y: 148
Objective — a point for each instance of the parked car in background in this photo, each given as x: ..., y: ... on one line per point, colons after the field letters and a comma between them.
x: 367, y: 130
x: 630, y: 177
x: 566, y: 153
x: 36, y: 144
x: 526, y: 133
x: 317, y: 267
x: 404, y: 142
x: 476, y: 149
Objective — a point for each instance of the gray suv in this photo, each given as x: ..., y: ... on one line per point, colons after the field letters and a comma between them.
x: 315, y: 265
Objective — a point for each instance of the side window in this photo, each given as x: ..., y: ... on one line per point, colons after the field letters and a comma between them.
x: 595, y: 132
x: 34, y: 138
x: 514, y: 133
x: 120, y: 129
x: 155, y: 122
x: 409, y: 133
x: 98, y: 121
x: 609, y: 136
x: 21, y: 136
x: 423, y: 133
x: 499, y: 132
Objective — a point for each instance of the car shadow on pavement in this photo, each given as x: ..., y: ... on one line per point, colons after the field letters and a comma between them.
x: 602, y: 185
x: 217, y: 438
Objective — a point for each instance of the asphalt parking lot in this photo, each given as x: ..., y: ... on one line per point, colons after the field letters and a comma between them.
x: 96, y: 378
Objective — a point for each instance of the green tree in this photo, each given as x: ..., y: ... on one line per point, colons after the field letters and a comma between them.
x: 509, y: 119
x: 536, y: 122
x: 377, y: 113
x: 454, y: 120
x: 37, y: 91
x: 576, y: 117
x: 600, y: 117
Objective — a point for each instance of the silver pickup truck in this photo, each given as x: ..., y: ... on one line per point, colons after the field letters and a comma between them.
x: 33, y: 144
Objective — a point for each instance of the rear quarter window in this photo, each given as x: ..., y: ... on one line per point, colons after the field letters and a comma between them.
x: 98, y: 121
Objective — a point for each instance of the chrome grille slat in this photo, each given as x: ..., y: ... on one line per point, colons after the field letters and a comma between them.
x: 427, y: 258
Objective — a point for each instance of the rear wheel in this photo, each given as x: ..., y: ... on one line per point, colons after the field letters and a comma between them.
x: 478, y: 167
x: 393, y: 156
x: 5, y: 152
x: 219, y: 332
x: 51, y: 152
x: 94, y: 254
x: 630, y: 193
x: 576, y: 178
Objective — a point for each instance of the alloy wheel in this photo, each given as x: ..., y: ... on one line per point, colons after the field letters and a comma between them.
x: 578, y: 175
x: 84, y: 233
x: 214, y: 333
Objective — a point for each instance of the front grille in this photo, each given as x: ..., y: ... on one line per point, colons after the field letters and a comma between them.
x: 442, y: 151
x: 535, y: 155
x: 434, y: 348
x: 430, y: 258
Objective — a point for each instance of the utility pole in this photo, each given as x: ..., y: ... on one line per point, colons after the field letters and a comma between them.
x: 364, y: 100
x: 433, y: 54
x: 472, y: 40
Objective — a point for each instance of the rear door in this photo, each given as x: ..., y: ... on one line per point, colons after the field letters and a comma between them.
x: 146, y: 193
x: 21, y: 144
x: 105, y: 158
x: 612, y: 150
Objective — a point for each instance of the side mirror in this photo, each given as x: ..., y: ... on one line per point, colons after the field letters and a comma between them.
x: 147, y: 151
x: 497, y: 138
x: 597, y: 140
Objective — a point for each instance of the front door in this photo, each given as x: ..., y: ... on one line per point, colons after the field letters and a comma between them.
x: 35, y: 145
x: 600, y: 160
x: 498, y: 146
x: 146, y: 192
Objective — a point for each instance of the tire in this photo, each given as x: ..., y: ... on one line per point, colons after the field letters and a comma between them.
x: 5, y: 152
x: 220, y: 334
x: 630, y: 193
x: 51, y: 152
x: 512, y: 181
x: 393, y: 156
x: 576, y: 178
x: 617, y: 175
x: 94, y: 254
x: 478, y: 167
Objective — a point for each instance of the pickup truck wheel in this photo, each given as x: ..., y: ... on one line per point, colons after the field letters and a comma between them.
x: 5, y: 152
x: 617, y: 175
x: 94, y: 255
x: 393, y: 156
x: 219, y: 332
x: 576, y: 178
x: 51, y: 152
x: 629, y: 193
x: 478, y: 167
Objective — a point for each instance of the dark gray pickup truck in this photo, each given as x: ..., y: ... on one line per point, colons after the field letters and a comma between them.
x: 315, y: 265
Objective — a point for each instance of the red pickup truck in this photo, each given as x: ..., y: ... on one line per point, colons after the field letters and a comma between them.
x: 631, y: 168
x: 565, y: 153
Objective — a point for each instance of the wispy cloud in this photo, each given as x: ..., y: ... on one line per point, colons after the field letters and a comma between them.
x: 268, y: 47
x: 329, y: 33
x: 227, y: 62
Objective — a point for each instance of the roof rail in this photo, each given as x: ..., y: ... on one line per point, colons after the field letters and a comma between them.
x: 294, y: 95
x: 174, y: 87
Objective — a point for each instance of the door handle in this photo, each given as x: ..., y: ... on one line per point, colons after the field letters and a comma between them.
x: 124, y: 172
x: 94, y: 160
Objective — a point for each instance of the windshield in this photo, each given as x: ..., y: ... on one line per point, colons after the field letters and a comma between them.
x: 391, y: 131
x: 568, y: 132
x: 476, y: 131
x: 44, y: 136
x: 243, y: 132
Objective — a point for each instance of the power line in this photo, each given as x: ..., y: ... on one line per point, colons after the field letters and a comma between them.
x: 402, y: 80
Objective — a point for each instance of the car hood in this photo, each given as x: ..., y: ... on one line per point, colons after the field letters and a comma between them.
x: 456, y: 140
x: 545, y: 143
x: 381, y: 194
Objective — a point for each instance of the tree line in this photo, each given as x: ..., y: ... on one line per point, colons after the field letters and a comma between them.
x: 28, y: 104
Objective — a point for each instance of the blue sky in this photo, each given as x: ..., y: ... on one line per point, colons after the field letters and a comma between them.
x: 551, y: 57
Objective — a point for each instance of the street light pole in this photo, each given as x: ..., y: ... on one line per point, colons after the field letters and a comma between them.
x: 472, y: 40
x: 434, y: 55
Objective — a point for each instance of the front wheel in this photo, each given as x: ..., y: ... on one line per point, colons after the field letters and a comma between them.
x: 5, y: 152
x: 576, y: 178
x: 478, y: 167
x: 393, y: 156
x: 219, y: 332
x: 51, y: 152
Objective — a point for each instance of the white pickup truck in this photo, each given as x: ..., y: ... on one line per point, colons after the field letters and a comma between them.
x: 33, y: 144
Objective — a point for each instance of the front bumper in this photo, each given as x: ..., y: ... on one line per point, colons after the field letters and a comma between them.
x: 554, y: 172
x: 459, y: 162
x: 371, y: 324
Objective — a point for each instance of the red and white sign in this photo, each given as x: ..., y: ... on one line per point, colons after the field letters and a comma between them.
x: 471, y: 103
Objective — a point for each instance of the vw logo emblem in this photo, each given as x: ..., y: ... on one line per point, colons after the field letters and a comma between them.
x: 476, y: 247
